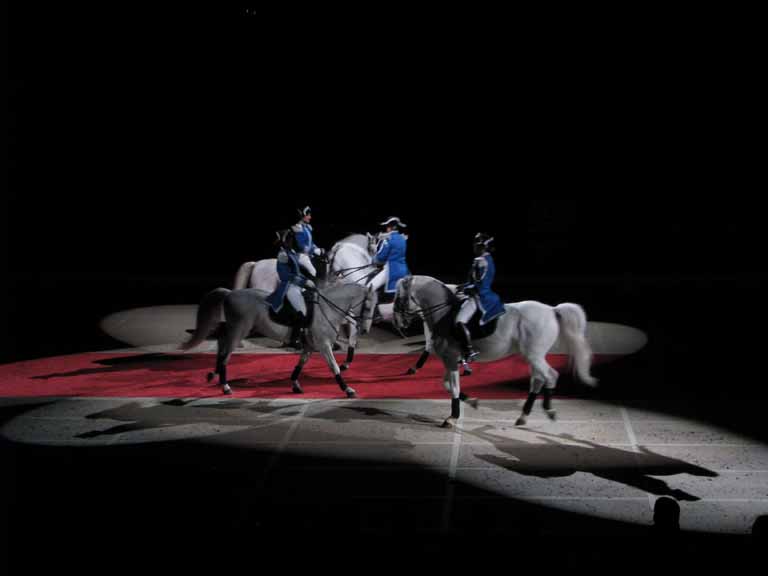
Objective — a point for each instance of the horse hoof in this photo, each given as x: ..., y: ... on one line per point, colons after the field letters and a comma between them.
x: 474, y: 402
x: 521, y: 421
x: 351, y: 393
x: 411, y: 371
x: 227, y: 390
x: 467, y: 372
x: 344, y: 366
x: 450, y: 422
x: 296, y: 388
x: 552, y: 414
x: 210, y: 376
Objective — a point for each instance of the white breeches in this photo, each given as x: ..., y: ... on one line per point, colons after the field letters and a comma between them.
x: 381, y: 278
x: 306, y: 263
x: 294, y: 296
x: 467, y: 310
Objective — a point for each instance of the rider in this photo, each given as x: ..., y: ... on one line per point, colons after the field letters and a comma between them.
x: 292, y: 282
x: 477, y: 293
x: 303, y: 231
x: 391, y: 256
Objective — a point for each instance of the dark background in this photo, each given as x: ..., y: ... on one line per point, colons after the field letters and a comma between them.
x: 615, y: 163
x: 153, y: 152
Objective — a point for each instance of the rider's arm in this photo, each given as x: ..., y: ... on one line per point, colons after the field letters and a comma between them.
x: 383, y: 254
x: 479, y: 269
x: 292, y: 272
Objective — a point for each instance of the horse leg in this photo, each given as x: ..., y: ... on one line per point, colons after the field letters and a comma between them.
x: 327, y: 352
x: 419, y: 363
x: 547, y: 404
x: 425, y: 353
x: 296, y: 387
x: 352, y: 344
x: 232, y: 334
x: 221, y: 370
x: 547, y: 375
x: 534, y: 390
x: 453, y: 379
x: 547, y: 391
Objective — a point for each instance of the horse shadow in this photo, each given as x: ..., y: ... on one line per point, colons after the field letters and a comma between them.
x: 150, y: 361
x: 555, y: 459
x: 348, y: 414
x: 177, y: 412
x: 174, y: 413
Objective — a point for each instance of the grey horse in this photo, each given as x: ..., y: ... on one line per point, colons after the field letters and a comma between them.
x: 350, y: 261
x: 529, y: 328
x: 247, y: 309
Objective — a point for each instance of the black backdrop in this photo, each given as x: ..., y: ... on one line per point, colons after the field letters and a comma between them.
x: 612, y: 155
x: 153, y: 152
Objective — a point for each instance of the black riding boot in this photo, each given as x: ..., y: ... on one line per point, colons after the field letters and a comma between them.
x: 466, y: 342
x: 297, y: 336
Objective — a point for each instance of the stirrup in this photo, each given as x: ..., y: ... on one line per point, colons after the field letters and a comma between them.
x: 470, y: 355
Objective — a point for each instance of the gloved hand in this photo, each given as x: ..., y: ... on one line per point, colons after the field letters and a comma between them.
x: 309, y: 285
x: 319, y: 251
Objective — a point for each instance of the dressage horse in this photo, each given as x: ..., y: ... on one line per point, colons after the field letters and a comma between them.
x: 351, y: 260
x: 247, y: 309
x: 529, y: 328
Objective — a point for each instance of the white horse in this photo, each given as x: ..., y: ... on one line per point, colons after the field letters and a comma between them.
x: 529, y: 328
x: 350, y: 261
x: 261, y: 275
x: 247, y: 309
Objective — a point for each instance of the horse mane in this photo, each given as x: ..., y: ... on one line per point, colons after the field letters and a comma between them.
x: 450, y: 295
x: 340, y: 288
x: 356, y: 239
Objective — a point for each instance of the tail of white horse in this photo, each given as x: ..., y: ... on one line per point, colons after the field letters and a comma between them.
x: 573, y: 327
x: 243, y: 275
x: 208, y: 315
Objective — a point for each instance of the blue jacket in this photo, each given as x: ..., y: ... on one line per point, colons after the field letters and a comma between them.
x: 392, y: 251
x: 303, y: 232
x: 480, y: 280
x: 289, y: 273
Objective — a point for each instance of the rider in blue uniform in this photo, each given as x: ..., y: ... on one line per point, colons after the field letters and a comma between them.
x: 292, y: 283
x: 391, y: 256
x: 305, y: 245
x: 477, y: 293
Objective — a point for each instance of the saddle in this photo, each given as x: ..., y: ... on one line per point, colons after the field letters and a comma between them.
x: 476, y: 331
x: 288, y: 315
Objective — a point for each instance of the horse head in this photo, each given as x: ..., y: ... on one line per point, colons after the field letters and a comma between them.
x: 373, y: 242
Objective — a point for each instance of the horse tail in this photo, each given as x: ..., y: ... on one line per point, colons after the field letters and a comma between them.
x: 573, y: 326
x: 208, y: 314
x: 243, y: 275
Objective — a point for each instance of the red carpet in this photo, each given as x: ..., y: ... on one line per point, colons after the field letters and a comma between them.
x: 254, y: 376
